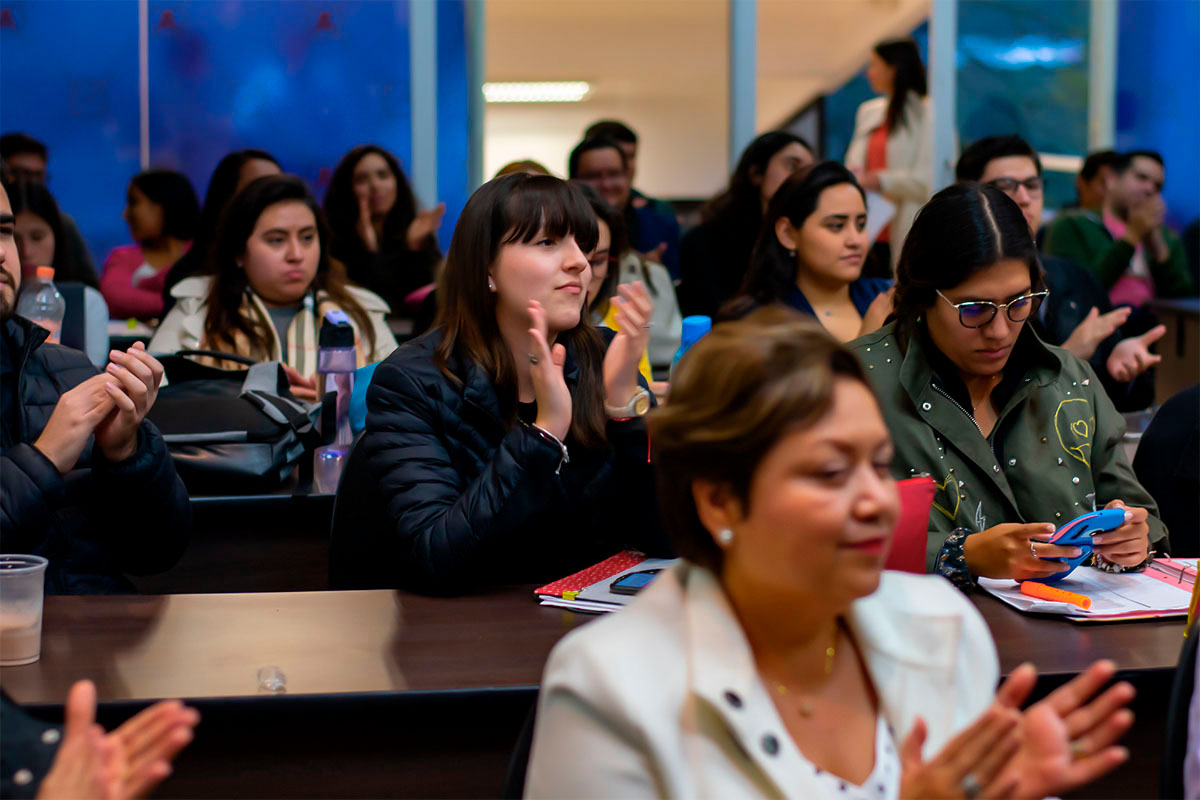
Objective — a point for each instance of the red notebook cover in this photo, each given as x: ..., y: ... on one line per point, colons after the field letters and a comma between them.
x: 593, y: 574
x: 912, y: 529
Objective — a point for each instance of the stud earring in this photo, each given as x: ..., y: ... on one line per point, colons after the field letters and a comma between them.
x: 491, y: 286
x: 725, y: 537
x: 791, y: 253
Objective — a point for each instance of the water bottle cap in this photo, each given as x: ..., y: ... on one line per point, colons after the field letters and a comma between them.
x: 696, y: 326
x: 45, y: 273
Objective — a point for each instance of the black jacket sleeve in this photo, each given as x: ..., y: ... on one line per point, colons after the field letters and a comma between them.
x: 153, y: 538
x: 30, y: 489
x: 444, y: 521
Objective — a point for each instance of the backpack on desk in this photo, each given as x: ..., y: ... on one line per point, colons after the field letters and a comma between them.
x: 235, y: 429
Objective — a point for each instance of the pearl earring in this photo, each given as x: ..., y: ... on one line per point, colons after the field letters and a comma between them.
x: 725, y: 537
x: 491, y: 286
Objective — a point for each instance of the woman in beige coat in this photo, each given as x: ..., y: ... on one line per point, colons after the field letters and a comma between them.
x: 891, y: 152
x: 270, y: 282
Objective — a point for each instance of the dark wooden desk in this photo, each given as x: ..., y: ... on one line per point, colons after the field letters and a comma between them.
x: 391, y: 694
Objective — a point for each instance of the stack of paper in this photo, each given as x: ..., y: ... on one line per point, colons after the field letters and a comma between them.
x: 587, y: 590
x: 1114, y: 596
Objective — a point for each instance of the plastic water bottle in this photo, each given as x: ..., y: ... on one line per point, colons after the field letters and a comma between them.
x: 694, y: 329
x: 336, y: 361
x: 42, y: 305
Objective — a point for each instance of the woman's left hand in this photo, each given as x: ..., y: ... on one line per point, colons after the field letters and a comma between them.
x: 1129, y: 544
x: 634, y: 309
x: 424, y: 224
x: 1069, y: 738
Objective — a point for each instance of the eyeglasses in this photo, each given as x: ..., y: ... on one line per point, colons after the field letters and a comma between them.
x: 977, y: 313
x: 1009, y: 186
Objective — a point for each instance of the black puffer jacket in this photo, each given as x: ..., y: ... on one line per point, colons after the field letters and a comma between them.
x: 101, y: 519
x: 442, y: 496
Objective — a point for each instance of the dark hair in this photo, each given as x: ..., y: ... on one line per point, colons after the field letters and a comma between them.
x: 739, y: 391
x: 610, y: 128
x: 1095, y: 161
x: 341, y: 206
x: 174, y: 193
x: 35, y: 198
x: 221, y: 188
x: 516, y: 208
x: 772, y: 271
x: 587, y: 146
x: 963, y: 229
x: 229, y: 283
x: 14, y: 144
x: 738, y: 209
x: 975, y: 159
x: 905, y: 58
x: 1124, y: 161
x: 620, y: 243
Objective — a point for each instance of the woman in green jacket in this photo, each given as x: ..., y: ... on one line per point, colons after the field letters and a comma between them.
x: 1019, y: 436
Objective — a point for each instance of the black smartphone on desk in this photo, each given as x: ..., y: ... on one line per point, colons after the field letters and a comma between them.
x: 634, y: 582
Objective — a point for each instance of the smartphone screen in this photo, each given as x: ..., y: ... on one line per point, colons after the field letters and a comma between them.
x: 633, y: 582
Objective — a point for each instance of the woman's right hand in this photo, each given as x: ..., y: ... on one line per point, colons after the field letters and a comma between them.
x: 978, y: 754
x: 366, y: 230
x: 549, y: 387
x: 1007, y: 551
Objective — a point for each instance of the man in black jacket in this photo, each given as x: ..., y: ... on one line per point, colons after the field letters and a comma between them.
x: 85, y: 481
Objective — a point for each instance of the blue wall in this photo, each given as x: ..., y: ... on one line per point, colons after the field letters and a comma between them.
x: 1158, y: 94
x: 301, y: 79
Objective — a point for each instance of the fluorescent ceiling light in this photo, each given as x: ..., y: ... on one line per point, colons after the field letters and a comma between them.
x: 536, y: 92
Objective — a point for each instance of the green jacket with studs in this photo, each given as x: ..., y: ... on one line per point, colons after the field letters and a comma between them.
x: 1057, y: 439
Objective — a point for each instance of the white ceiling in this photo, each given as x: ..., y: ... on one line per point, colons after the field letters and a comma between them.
x: 636, y: 50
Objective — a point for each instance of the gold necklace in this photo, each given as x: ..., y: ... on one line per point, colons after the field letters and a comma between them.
x: 806, y: 704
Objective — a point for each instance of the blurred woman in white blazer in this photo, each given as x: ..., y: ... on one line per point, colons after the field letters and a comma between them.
x: 778, y: 659
x: 892, y: 149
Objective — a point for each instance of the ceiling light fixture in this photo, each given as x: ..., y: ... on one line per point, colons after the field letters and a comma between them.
x: 536, y: 92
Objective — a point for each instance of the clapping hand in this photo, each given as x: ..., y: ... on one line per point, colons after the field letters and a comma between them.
x: 127, y: 763
x: 1094, y: 329
x: 546, y: 370
x: 424, y: 224
x: 634, y: 310
x: 1131, y: 357
x: 134, y: 378
x: 364, y: 226
x: 1069, y: 738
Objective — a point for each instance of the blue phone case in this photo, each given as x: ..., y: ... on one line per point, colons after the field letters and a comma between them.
x: 1078, y: 533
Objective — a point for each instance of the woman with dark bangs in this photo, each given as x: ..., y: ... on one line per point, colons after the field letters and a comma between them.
x: 506, y: 445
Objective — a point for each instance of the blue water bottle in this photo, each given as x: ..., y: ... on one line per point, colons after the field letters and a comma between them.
x: 336, y: 361
x: 694, y: 329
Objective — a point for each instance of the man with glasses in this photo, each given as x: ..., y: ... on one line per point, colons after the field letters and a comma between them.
x: 1129, y: 249
x: 24, y: 158
x: 1078, y: 315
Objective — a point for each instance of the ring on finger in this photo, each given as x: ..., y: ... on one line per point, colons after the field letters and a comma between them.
x: 971, y: 787
x: 1078, y: 749
x: 1032, y: 548
x: 534, y: 359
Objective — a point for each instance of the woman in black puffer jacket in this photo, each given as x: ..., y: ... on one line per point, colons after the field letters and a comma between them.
x: 506, y: 445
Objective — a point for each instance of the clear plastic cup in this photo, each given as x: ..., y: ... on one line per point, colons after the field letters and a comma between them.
x: 22, y: 579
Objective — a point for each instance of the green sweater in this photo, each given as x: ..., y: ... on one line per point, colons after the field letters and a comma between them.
x: 1057, y: 438
x: 1081, y: 237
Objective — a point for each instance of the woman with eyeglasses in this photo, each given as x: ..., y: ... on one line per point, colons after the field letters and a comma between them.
x: 1019, y: 436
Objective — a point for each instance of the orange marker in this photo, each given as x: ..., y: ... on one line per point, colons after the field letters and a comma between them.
x: 1043, y: 592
